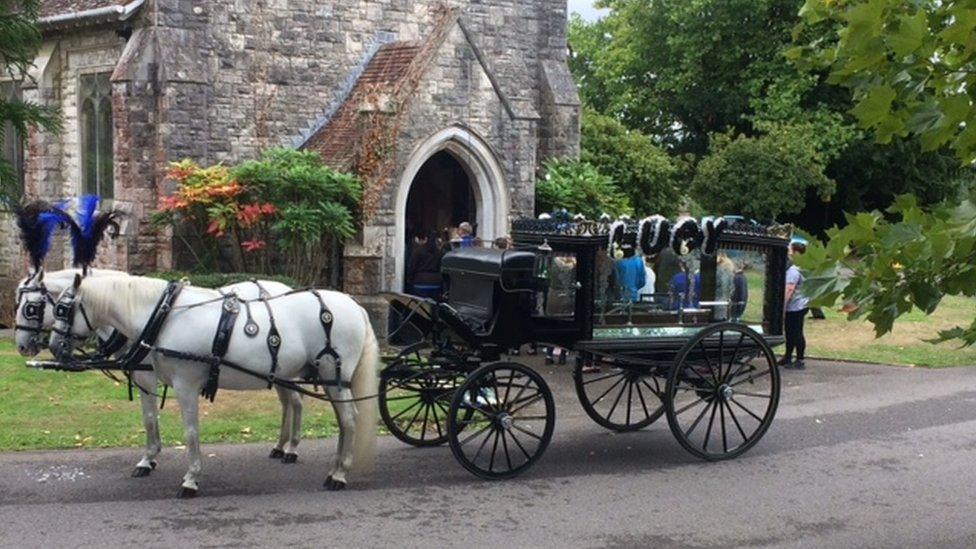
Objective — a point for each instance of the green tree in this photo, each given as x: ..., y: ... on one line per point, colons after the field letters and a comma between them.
x: 641, y: 169
x: 910, y: 65
x: 579, y: 187
x: 760, y: 177
x: 911, y: 69
x: 19, y: 41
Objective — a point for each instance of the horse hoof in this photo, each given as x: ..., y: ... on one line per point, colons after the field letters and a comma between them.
x: 334, y: 485
x: 290, y: 458
x: 153, y: 464
x: 140, y: 472
x: 187, y: 493
x: 277, y: 454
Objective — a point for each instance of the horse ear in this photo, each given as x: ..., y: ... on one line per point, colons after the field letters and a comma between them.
x: 40, y: 275
x: 77, y: 282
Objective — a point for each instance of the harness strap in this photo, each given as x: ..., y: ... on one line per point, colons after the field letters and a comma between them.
x: 225, y: 329
x: 140, y: 350
x: 262, y: 292
x: 326, y: 318
x: 251, y: 328
x: 112, y: 345
x: 274, y: 340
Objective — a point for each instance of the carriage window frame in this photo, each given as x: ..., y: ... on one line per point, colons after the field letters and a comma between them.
x: 13, y: 144
x: 96, y: 134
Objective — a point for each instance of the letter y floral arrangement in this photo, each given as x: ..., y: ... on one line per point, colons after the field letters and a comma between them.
x: 285, y: 213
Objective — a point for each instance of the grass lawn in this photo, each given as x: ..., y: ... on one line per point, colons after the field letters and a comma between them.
x: 44, y: 410
x: 838, y: 338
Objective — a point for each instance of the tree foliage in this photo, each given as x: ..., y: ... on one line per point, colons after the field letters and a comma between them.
x: 882, y: 269
x: 638, y: 167
x: 760, y: 177
x: 19, y: 41
x: 910, y: 65
x: 579, y: 187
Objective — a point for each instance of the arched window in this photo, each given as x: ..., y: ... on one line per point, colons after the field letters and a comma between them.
x: 95, y: 123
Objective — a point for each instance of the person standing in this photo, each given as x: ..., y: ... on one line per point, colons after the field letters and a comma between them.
x: 424, y: 269
x: 796, y: 311
x: 630, y: 275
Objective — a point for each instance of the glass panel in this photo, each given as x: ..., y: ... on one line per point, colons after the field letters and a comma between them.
x: 105, y: 165
x: 89, y: 151
x: 95, y: 122
x: 560, y: 299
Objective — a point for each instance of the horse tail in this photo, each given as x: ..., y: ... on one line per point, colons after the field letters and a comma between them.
x: 365, y: 385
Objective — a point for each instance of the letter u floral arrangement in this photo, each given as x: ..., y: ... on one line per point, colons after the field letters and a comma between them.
x: 286, y: 213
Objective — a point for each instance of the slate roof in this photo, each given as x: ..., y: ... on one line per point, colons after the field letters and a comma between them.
x: 50, y: 8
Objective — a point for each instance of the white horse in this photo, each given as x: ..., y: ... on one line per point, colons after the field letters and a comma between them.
x: 346, y: 359
x: 36, y: 297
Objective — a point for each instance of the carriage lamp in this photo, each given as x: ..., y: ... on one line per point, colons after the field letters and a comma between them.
x: 543, y: 259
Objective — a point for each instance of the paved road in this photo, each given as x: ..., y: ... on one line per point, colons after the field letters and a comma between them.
x: 859, y: 456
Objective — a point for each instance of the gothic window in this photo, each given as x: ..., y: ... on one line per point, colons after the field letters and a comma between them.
x: 13, y: 148
x: 95, y: 122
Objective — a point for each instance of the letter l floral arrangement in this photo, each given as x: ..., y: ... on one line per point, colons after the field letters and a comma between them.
x: 285, y: 213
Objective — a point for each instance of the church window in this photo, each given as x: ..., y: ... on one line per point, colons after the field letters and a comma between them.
x: 95, y: 122
x: 13, y: 147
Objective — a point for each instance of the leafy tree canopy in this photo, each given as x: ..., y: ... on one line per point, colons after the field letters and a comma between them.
x: 640, y: 168
x: 760, y: 177
x: 19, y: 41
x: 910, y: 65
x: 579, y: 187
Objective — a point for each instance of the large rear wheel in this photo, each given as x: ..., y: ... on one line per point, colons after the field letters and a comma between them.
x: 722, y: 391
x: 501, y: 420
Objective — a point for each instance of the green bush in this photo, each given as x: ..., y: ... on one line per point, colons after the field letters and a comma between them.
x: 760, y: 177
x: 641, y: 169
x: 218, y: 280
x: 579, y: 187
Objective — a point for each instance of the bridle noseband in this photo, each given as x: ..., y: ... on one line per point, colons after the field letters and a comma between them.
x: 64, y: 311
x: 33, y: 311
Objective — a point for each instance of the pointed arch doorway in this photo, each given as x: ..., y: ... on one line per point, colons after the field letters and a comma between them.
x: 455, y: 176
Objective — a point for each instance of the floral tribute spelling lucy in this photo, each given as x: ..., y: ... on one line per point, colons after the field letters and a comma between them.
x: 286, y: 210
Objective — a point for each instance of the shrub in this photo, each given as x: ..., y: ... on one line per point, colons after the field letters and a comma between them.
x: 641, y: 169
x: 760, y: 177
x: 285, y: 212
x: 579, y: 187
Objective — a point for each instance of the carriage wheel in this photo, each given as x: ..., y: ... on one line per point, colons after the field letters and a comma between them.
x: 620, y: 399
x: 501, y: 420
x: 722, y: 391
x: 415, y: 399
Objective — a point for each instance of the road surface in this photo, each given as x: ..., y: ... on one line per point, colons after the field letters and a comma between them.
x: 859, y: 456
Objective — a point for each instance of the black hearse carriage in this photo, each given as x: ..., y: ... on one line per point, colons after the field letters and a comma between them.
x: 696, y: 347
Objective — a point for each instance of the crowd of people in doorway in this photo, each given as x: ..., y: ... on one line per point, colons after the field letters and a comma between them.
x: 423, y: 262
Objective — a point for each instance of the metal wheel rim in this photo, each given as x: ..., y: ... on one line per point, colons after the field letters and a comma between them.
x: 708, y: 414
x: 481, y: 437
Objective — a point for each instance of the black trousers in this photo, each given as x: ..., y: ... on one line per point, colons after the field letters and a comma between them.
x: 794, y: 334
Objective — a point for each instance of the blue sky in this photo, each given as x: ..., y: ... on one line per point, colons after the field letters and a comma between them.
x: 585, y: 9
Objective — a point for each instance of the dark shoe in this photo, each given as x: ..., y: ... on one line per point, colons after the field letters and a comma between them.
x: 799, y: 365
x: 562, y: 357
x: 784, y: 362
x: 549, y: 360
x: 591, y: 369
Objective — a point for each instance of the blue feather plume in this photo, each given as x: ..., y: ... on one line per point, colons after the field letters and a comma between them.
x: 88, y: 228
x: 37, y: 222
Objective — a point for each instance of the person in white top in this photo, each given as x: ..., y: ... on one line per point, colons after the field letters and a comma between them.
x: 649, y: 278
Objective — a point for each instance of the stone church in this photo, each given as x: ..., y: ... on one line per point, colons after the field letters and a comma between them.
x: 472, y: 95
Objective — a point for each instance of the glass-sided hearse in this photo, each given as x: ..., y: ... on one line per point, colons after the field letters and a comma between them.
x: 694, y: 344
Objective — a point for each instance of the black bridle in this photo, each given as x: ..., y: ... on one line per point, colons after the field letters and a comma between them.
x: 33, y: 310
x: 64, y: 311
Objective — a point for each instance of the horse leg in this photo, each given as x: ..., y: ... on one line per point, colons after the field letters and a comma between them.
x: 346, y: 415
x: 146, y: 385
x: 187, y: 394
x: 291, y: 454
x: 278, y: 452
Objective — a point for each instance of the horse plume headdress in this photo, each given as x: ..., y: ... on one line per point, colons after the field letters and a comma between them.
x: 88, y: 228
x: 37, y: 221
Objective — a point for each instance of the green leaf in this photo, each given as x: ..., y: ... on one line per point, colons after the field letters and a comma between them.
x: 909, y: 34
x: 875, y: 107
x: 925, y: 296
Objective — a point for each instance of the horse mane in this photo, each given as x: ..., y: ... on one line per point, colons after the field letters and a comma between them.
x: 99, y: 294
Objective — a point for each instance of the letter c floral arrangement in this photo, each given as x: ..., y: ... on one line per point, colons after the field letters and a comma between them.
x: 285, y: 213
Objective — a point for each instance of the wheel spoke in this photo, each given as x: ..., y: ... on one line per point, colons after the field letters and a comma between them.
x: 601, y: 378
x: 615, y: 402
x: 405, y: 410
x: 519, y: 444
x: 751, y: 378
x: 605, y: 393
x: 701, y: 377
x: 736, y: 421
x: 735, y: 353
x: 754, y: 395
x: 711, y: 421
x: 708, y: 362
x: 526, y: 404
x: 437, y: 421
x: 747, y: 410
x: 656, y: 389
x: 423, y: 428
x: 483, y: 443
x: 526, y: 431
x: 508, y: 458
x: 640, y: 395
x: 630, y: 398
x: 721, y: 417
x: 531, y: 418
x: 698, y: 420
x: 721, y: 352
x: 494, y: 449
x: 475, y: 434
